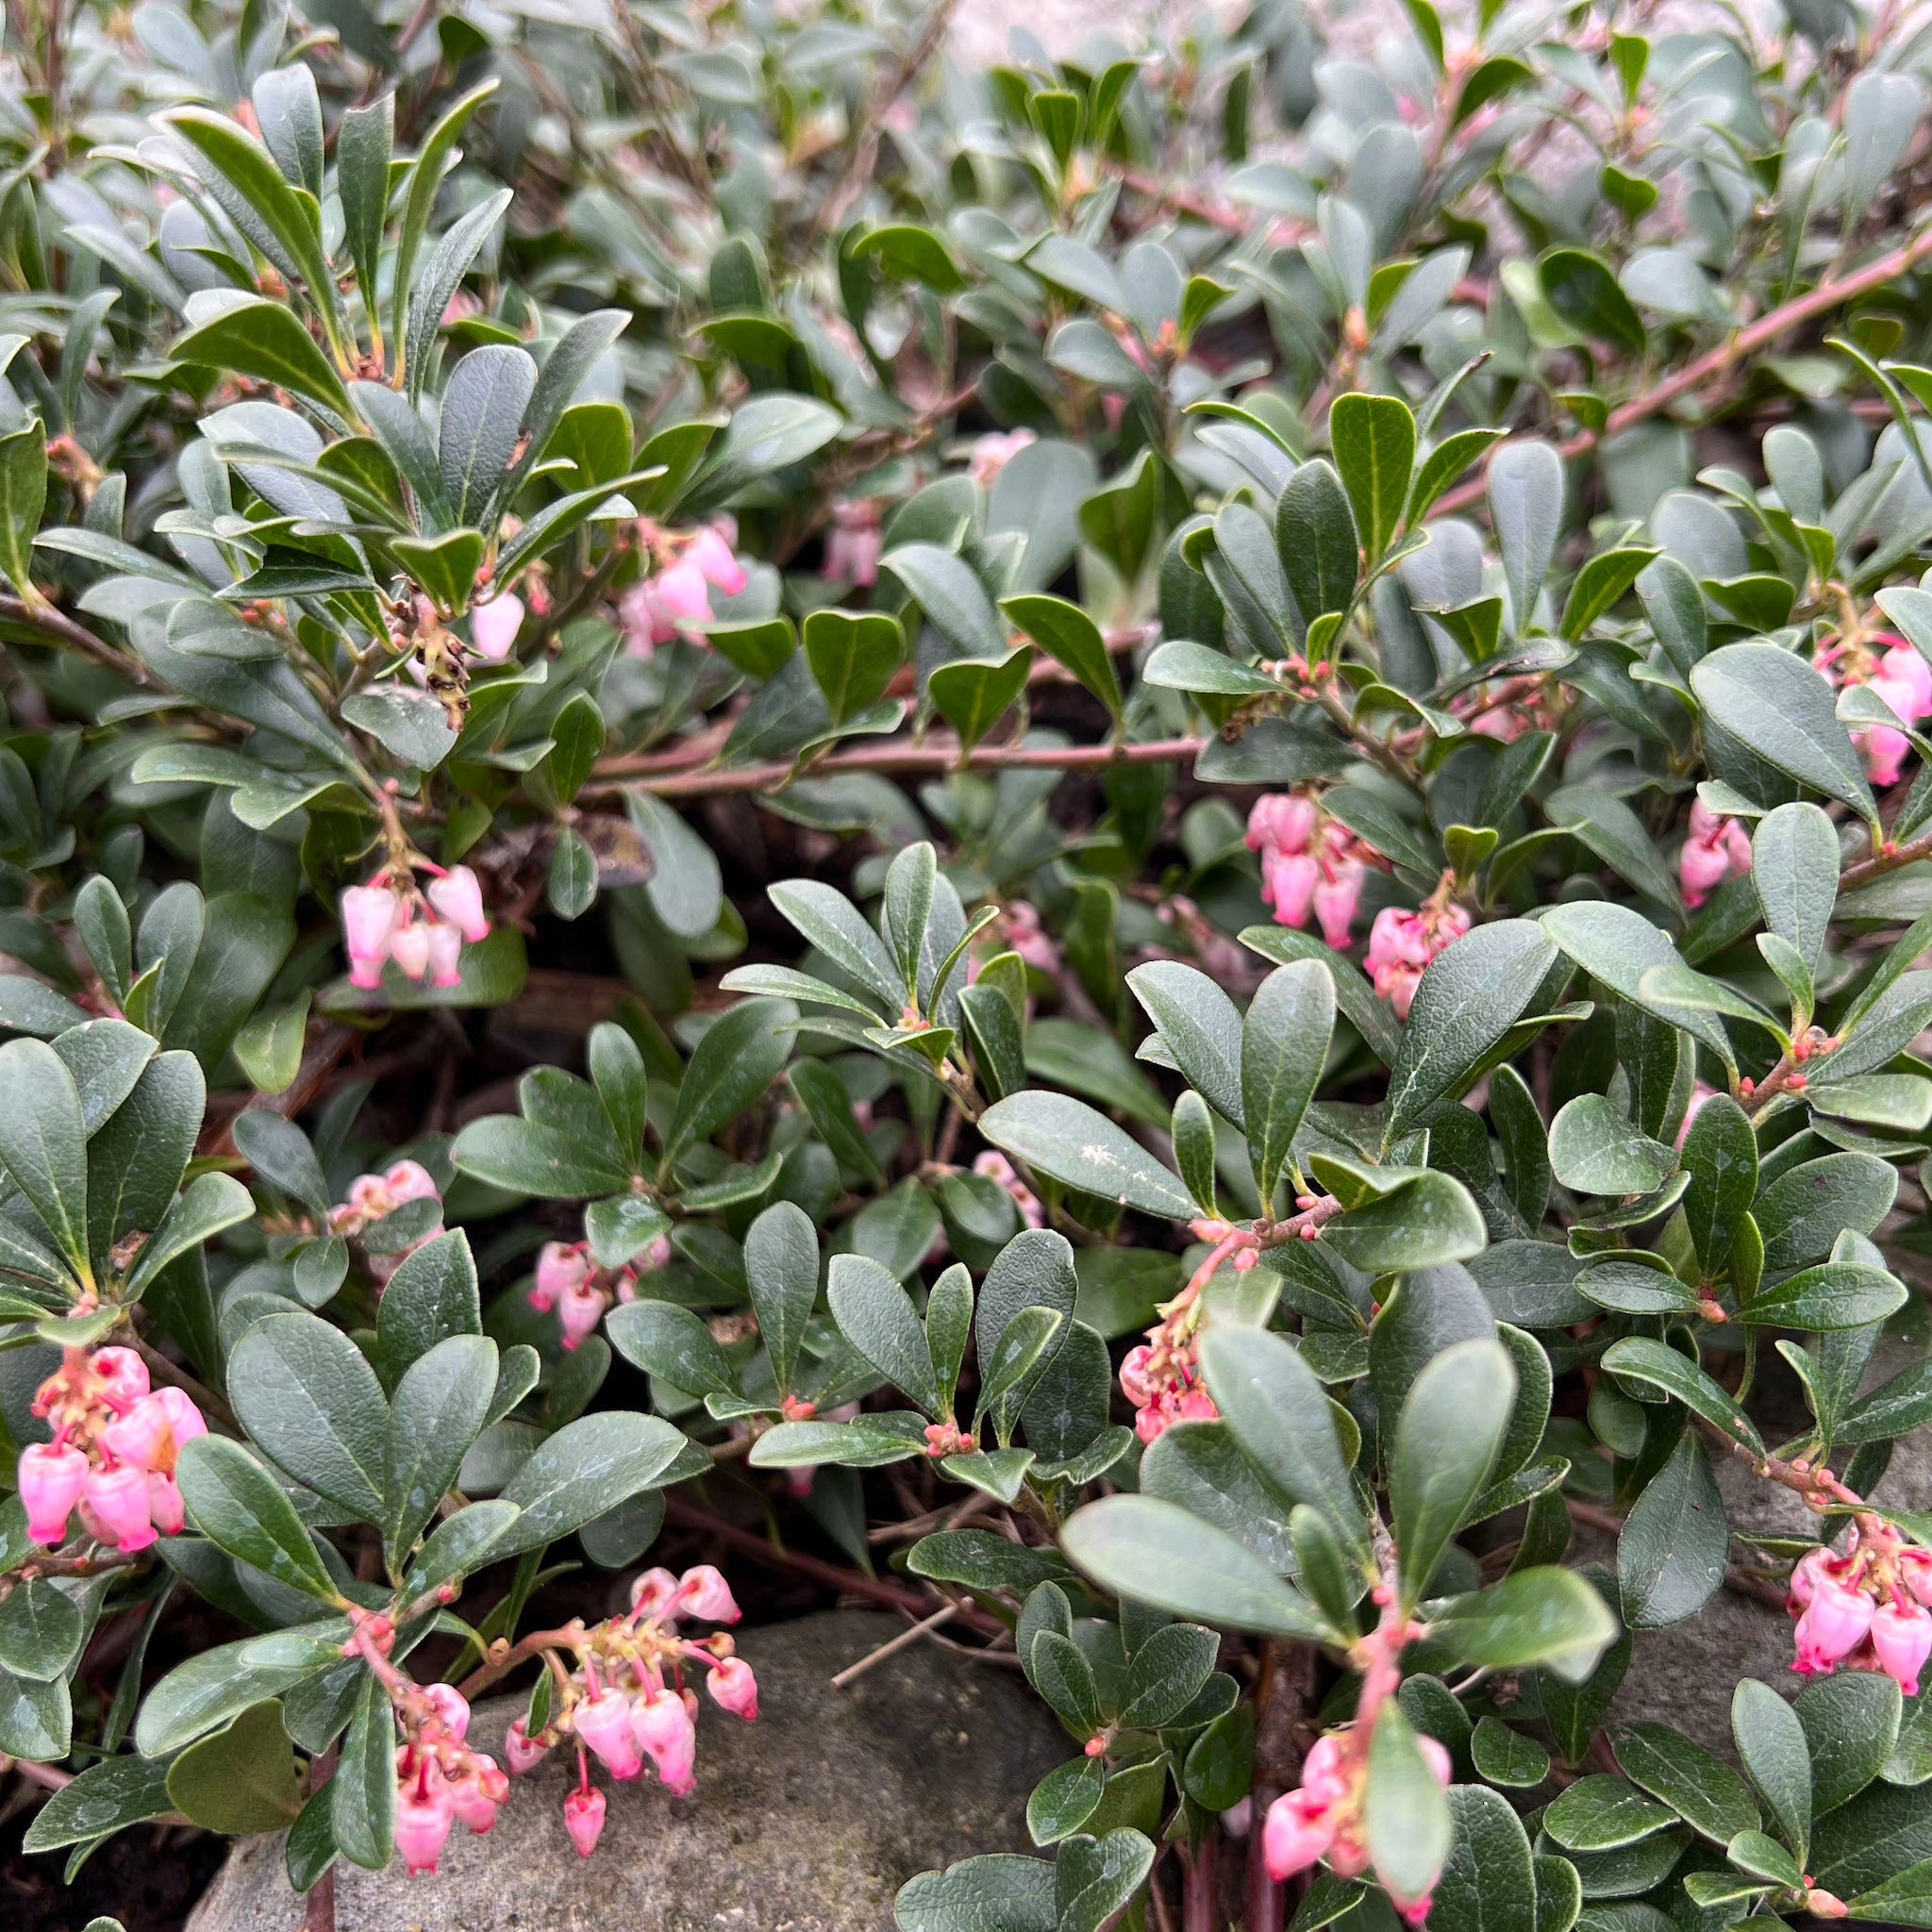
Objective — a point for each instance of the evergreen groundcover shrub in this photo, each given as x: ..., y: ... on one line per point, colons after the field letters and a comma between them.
x: 1208, y: 760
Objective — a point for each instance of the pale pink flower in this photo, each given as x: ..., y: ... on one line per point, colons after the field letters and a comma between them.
x: 452, y: 1710
x: 662, y: 1725
x: 523, y: 1754
x: 1295, y: 1833
x: 408, y: 946
x: 996, y: 1167
x: 653, y: 1593
x: 733, y: 1686
x: 602, y: 1724
x: 579, y: 1309
x: 425, y: 1814
x: 165, y: 1508
x: 493, y: 626
x: 458, y: 897
x: 853, y: 543
x: 993, y: 453
x: 702, y: 1592
x: 1836, y: 1620
x: 118, y: 1497
x: 446, y: 955
x: 1336, y: 898
x: 1902, y: 1637
x: 123, y: 1374
x: 369, y: 918
x: 561, y: 1268
x: 715, y: 562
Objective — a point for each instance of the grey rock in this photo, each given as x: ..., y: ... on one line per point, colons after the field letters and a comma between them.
x: 808, y: 1820
x: 1686, y: 1675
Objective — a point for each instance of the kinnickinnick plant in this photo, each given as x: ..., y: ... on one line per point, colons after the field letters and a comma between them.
x: 1207, y: 759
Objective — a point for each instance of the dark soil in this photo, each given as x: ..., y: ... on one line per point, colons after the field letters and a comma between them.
x: 147, y: 1878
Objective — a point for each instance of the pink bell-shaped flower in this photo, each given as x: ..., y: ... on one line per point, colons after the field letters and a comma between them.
x: 165, y: 1508
x: 579, y: 1309
x: 1836, y: 1620
x: 1281, y: 822
x: 1289, y: 880
x: 1336, y: 900
x: 1295, y: 1833
x: 1915, y: 1573
x: 1902, y: 1637
x: 583, y: 1817
x: 604, y: 1727
x: 145, y: 1437
x: 682, y: 595
x: 410, y: 1180
x: 716, y: 564
x: 733, y: 1686
x: 1134, y: 1383
x: 118, y: 1497
x: 445, y: 954
x: 369, y: 920
x: 702, y: 1592
x: 50, y: 1481
x: 424, y: 1817
x: 662, y: 1726
x: 493, y: 626
x: 1322, y: 1776
x: 654, y: 1593
x: 458, y: 897
x: 452, y: 1710
x: 124, y: 1374
x: 408, y: 946
x: 471, y: 1801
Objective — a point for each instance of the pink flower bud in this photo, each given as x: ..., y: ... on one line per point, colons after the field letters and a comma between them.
x: 1825, y: 1905
x: 123, y: 1373
x: 1836, y: 1620
x: 579, y: 1309
x: 1705, y: 824
x: 1702, y: 867
x: 423, y: 1824
x: 662, y: 1725
x: 452, y: 1710
x: 1239, y: 1820
x: 165, y: 1508
x: 408, y: 946
x: 583, y: 1817
x: 118, y: 1497
x: 408, y: 1181
x: 702, y: 1592
x: 369, y: 919
x: 733, y: 1686
x: 523, y: 1754
x: 1134, y: 1383
x: 458, y: 897
x: 1295, y: 1835
x: 1915, y: 1573
x: 604, y: 1727
x: 50, y: 1485
x: 1902, y: 1640
x: 682, y: 595
x: 445, y: 954
x: 493, y: 626
x: 1336, y: 899
x: 653, y: 1593
x: 719, y: 568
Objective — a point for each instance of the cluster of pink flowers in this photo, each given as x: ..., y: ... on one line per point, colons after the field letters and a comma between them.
x: 373, y: 1197
x: 423, y: 932
x: 1309, y: 861
x: 1866, y: 1610
x: 1161, y: 1376
x: 1717, y: 849
x: 1899, y: 675
x: 1401, y: 944
x: 440, y: 1779
x: 1323, y: 1817
x: 996, y: 1167
x: 676, y: 595
x: 1505, y: 710
x: 113, y: 1454
x: 629, y: 1700
x: 568, y: 1280
x: 853, y: 543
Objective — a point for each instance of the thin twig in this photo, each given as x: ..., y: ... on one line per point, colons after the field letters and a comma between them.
x: 893, y: 1646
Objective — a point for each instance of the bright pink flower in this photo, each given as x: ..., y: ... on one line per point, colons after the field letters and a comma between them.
x: 683, y: 594
x: 1289, y: 881
x: 1281, y: 822
x: 1336, y: 899
x: 124, y: 1374
x: 458, y: 897
x: 1322, y: 1776
x: 144, y: 1435
x: 662, y: 1726
x: 702, y: 1592
x: 493, y: 626
x: 715, y: 563
x: 165, y: 1508
x: 408, y: 946
x: 445, y: 954
x: 1836, y: 1620
x: 50, y: 1482
x: 583, y: 1817
x: 579, y: 1309
x: 1904, y: 679
x: 1295, y: 1833
x: 653, y: 1593
x: 517, y: 1747
x: 424, y: 1817
x: 369, y: 919
x: 603, y: 1727
x: 1915, y: 1573
x: 452, y: 1710
x: 1134, y: 1383
x: 1702, y: 868
x: 1902, y: 1640
x: 118, y: 1498
x: 185, y: 1420
x: 1401, y: 944
x: 471, y: 1800
x: 561, y: 1268
x: 1813, y: 1567
x: 733, y: 1686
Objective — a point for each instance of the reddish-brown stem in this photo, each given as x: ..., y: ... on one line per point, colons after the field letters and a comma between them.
x: 1829, y: 294
x: 1197, y: 1892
